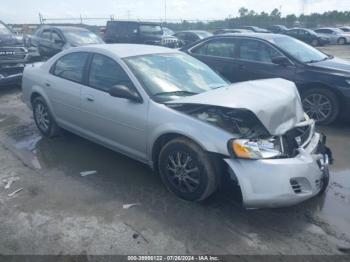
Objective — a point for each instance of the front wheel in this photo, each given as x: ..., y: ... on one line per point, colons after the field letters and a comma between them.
x: 321, y: 105
x: 43, y: 118
x: 315, y: 42
x: 187, y: 170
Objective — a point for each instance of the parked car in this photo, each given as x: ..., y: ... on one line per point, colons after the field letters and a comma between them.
x: 256, y: 29
x: 13, y: 56
x: 345, y: 29
x: 190, y: 36
x: 50, y: 40
x: 277, y: 29
x: 172, y: 112
x: 149, y: 33
x: 308, y: 36
x: 323, y: 80
x: 229, y: 31
x: 336, y: 35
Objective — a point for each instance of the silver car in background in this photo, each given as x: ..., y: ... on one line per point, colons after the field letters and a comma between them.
x: 335, y: 35
x: 172, y: 112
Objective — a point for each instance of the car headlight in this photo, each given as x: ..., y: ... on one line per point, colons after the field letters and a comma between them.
x: 255, y: 148
x: 347, y: 81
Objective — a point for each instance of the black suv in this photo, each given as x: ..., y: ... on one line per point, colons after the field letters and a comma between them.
x: 323, y: 80
x: 138, y: 33
x: 13, y: 56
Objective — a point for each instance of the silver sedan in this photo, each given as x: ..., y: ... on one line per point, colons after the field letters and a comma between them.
x: 172, y: 112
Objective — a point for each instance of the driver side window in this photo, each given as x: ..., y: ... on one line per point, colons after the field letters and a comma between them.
x: 106, y: 73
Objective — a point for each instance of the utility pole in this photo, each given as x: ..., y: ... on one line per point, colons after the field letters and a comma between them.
x: 165, y: 7
x: 303, y: 6
x: 41, y: 19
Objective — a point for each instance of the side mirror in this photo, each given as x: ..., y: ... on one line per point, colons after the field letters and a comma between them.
x: 281, y: 60
x: 123, y: 91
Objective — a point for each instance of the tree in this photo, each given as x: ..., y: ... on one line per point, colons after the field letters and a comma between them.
x: 243, y: 11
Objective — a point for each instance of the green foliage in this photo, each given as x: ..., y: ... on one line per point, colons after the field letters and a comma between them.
x: 250, y: 17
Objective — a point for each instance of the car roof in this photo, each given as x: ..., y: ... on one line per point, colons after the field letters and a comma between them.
x: 63, y: 28
x: 134, y: 22
x: 127, y: 50
x: 265, y: 36
x: 330, y: 28
x: 192, y: 31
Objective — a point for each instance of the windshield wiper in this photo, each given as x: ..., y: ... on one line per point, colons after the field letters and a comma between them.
x: 177, y: 93
x: 315, y: 61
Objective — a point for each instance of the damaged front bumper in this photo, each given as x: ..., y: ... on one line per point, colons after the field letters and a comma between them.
x: 11, y: 75
x: 268, y: 183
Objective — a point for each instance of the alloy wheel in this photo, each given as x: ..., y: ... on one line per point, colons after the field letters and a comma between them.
x: 317, y: 106
x: 183, y: 172
x: 42, y: 117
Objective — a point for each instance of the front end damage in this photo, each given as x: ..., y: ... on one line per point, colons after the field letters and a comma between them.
x: 301, y: 172
x: 275, y: 155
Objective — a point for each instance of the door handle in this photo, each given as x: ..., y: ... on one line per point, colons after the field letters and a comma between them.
x: 90, y: 98
x: 241, y: 66
x: 47, y: 84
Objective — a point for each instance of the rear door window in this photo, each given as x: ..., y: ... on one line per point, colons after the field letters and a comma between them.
x: 71, y: 66
x: 253, y: 50
x: 218, y: 47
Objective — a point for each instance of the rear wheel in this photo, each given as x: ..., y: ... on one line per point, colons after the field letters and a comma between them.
x: 341, y: 41
x: 321, y: 105
x: 187, y: 170
x: 43, y: 118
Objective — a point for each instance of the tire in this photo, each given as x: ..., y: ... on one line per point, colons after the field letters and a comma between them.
x: 180, y: 155
x: 320, y: 99
x: 314, y: 42
x: 325, y: 183
x: 341, y: 41
x: 43, y: 118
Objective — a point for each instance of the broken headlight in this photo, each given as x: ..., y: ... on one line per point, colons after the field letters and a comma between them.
x: 255, y: 148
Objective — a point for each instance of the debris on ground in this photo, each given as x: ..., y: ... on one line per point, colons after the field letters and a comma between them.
x: 15, y: 192
x: 9, y: 181
x: 88, y: 173
x: 127, y: 206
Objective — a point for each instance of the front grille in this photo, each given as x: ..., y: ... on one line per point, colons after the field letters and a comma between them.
x: 168, y: 41
x: 13, y: 53
x: 295, y: 186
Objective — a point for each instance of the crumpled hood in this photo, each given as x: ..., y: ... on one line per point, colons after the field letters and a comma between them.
x: 275, y: 102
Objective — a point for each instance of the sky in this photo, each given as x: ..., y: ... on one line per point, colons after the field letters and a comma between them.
x: 26, y: 11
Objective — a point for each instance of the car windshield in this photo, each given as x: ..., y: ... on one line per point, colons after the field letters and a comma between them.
x: 169, y: 76
x: 4, y: 30
x: 337, y: 30
x: 151, y: 29
x: 204, y: 34
x: 167, y: 31
x: 82, y: 37
x: 299, y: 50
